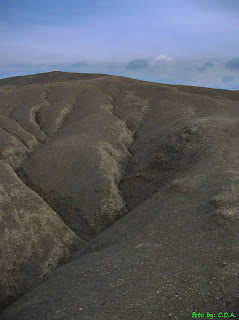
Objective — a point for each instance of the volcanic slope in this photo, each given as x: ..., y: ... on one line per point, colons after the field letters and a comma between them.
x: 138, y: 182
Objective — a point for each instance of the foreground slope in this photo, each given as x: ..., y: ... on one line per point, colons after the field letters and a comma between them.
x: 162, y: 158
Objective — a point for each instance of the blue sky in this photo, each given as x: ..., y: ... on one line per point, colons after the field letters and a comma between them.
x: 192, y: 42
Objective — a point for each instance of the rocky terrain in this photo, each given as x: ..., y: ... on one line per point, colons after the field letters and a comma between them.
x: 119, y: 199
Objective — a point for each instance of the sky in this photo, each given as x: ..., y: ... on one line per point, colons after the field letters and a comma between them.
x: 191, y: 42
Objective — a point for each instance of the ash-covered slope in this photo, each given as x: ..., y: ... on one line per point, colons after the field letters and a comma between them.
x: 96, y: 148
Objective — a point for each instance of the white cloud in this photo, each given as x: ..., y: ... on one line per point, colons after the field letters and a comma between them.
x: 163, y: 58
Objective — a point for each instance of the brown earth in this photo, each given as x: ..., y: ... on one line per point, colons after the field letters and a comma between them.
x: 134, y: 184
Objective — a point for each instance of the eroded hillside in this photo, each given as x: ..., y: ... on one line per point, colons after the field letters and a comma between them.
x: 140, y: 178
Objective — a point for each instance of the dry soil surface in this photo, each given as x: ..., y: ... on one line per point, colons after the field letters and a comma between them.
x: 119, y: 199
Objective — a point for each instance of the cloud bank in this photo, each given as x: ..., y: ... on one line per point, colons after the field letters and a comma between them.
x: 207, y: 72
x: 205, y: 66
x: 233, y: 64
x: 137, y: 64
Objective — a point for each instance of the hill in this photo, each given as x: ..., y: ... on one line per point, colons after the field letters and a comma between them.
x: 118, y: 199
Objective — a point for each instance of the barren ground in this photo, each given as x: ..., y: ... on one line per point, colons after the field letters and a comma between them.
x: 119, y: 199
